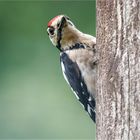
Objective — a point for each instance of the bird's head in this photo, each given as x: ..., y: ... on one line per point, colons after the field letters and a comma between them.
x: 61, y: 31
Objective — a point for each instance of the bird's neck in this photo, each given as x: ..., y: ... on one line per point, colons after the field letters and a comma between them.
x: 72, y: 36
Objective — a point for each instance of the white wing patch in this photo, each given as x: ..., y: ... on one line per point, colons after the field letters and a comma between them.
x: 75, y: 93
x: 81, y: 84
x: 63, y: 71
x: 89, y: 109
x: 89, y: 99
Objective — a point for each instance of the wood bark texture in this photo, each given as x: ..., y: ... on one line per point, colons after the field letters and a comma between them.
x: 118, y: 44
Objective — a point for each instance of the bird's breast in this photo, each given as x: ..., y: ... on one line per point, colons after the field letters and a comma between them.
x: 85, y: 61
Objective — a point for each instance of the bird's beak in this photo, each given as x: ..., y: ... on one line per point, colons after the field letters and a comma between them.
x: 48, y: 30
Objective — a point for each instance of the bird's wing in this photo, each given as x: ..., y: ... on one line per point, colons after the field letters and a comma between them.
x: 73, y: 77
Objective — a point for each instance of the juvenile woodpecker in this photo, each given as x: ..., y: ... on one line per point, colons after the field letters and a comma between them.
x: 78, y: 59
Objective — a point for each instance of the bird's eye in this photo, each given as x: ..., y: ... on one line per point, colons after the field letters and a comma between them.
x: 51, y: 31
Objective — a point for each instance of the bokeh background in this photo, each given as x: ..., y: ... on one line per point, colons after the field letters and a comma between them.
x: 35, y: 100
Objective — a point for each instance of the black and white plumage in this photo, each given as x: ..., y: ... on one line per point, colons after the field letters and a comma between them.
x: 74, y: 78
x: 78, y: 60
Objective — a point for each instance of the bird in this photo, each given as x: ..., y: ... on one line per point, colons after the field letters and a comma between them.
x: 78, y: 59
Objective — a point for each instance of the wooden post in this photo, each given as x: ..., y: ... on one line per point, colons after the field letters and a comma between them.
x: 118, y: 44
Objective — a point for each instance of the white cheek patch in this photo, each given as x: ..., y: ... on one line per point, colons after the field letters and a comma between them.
x: 53, y: 39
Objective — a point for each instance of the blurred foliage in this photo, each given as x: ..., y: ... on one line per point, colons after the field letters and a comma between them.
x: 35, y: 100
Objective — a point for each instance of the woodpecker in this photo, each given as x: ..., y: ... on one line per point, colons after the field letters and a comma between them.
x: 78, y: 60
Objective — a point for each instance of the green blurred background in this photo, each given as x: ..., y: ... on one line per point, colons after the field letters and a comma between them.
x: 35, y: 100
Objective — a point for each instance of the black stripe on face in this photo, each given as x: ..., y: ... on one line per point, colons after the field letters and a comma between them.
x: 59, y: 32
